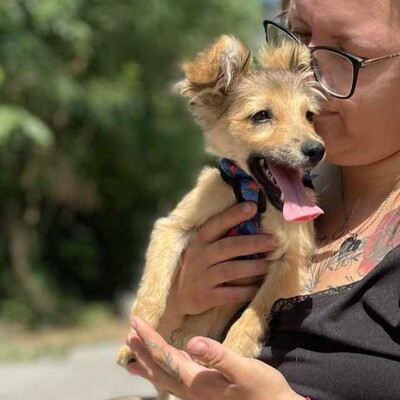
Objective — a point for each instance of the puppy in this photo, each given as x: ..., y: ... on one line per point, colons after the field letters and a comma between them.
x: 257, y: 115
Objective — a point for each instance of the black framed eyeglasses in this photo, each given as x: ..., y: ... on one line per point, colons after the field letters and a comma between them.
x: 335, y: 70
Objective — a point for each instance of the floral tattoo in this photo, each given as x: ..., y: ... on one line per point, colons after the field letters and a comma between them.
x: 369, y: 252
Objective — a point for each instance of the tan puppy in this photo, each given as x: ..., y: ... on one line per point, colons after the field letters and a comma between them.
x: 260, y: 116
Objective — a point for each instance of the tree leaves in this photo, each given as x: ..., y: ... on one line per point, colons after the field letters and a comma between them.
x: 93, y: 145
x: 16, y: 120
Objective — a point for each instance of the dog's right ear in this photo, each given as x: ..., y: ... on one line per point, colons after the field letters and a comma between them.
x: 290, y: 55
x: 211, y: 75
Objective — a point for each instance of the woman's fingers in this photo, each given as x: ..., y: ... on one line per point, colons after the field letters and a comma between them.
x: 147, y: 368
x: 217, y: 226
x: 236, y: 246
x: 199, y: 381
x: 144, y: 360
x: 234, y: 270
x: 166, y: 356
x: 216, y: 356
x: 228, y: 376
x: 179, y: 374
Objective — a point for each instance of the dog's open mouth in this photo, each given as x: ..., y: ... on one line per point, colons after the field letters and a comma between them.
x: 284, y: 189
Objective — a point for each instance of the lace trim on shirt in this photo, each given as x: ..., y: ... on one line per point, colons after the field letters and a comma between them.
x: 283, y: 305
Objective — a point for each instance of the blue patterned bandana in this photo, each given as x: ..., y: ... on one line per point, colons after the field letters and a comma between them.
x: 245, y: 189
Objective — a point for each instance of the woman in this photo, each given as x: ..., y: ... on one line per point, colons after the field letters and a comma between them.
x: 342, y: 340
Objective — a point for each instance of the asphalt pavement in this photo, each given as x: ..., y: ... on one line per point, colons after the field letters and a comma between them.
x: 87, y: 373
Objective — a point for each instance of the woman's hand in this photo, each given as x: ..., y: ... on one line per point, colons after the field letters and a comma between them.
x: 229, y: 375
x: 207, y: 275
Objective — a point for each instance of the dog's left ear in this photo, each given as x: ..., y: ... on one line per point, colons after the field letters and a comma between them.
x: 212, y: 74
x: 290, y: 56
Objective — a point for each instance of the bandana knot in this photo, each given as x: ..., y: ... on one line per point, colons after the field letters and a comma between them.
x: 245, y: 189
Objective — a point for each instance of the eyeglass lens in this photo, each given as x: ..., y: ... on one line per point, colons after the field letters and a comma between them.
x: 333, y: 71
x: 276, y: 36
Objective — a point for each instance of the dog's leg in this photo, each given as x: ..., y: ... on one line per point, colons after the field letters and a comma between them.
x: 285, y: 279
x: 165, y: 249
x: 168, y: 241
x: 287, y: 276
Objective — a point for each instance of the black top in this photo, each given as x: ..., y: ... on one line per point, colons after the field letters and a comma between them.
x: 341, y: 343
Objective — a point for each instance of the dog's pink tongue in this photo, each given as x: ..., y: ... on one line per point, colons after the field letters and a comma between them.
x: 296, y: 206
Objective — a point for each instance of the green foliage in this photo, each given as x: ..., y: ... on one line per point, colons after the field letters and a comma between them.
x: 17, y: 123
x: 93, y: 145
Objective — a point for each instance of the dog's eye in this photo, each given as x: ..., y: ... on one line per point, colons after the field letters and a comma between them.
x: 262, y: 116
x: 310, y: 116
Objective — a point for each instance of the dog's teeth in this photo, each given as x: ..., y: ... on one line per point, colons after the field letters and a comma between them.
x: 262, y: 162
x: 282, y: 197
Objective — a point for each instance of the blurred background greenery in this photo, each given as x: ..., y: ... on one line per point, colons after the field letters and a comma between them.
x: 93, y: 144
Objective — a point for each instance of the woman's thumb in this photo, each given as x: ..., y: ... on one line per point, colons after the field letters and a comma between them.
x: 216, y: 356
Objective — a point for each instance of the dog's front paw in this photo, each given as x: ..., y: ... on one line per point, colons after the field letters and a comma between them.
x: 125, y: 356
x: 242, y: 344
x: 245, y: 335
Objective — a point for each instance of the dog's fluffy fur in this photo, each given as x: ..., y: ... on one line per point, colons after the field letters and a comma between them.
x: 226, y: 86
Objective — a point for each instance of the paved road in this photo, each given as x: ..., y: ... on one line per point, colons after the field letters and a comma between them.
x: 88, y: 373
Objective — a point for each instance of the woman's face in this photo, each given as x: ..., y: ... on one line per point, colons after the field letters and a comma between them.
x: 365, y: 128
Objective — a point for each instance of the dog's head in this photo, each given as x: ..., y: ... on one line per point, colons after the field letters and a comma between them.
x: 258, y: 113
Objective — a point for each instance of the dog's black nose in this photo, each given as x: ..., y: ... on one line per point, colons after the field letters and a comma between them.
x: 313, y: 150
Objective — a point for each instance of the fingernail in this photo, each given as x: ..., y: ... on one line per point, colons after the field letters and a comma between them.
x: 246, y: 207
x: 199, y: 348
x: 269, y: 239
x: 134, y: 324
x: 130, y: 337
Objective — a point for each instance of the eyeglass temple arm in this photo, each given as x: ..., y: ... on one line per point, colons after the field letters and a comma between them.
x: 374, y: 60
